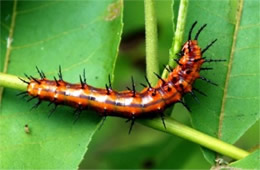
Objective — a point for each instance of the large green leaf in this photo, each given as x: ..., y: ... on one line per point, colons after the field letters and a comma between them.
x: 75, y: 35
x: 233, y: 106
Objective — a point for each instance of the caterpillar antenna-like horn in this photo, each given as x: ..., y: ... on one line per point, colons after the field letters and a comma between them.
x: 191, y: 29
x: 198, y: 33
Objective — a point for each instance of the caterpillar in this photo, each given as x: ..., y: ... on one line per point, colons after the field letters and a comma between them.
x: 129, y: 104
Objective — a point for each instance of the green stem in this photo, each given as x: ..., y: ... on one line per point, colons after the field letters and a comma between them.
x: 178, y: 35
x: 9, y: 45
x: 11, y: 81
x: 195, y: 136
x: 151, y: 41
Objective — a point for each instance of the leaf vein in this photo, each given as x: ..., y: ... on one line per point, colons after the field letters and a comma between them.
x: 221, y: 116
x: 36, y: 8
x: 59, y: 35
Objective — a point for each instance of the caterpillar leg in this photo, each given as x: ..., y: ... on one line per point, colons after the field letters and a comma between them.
x: 52, y: 110
x: 194, y: 96
x: 103, y: 121
x: 30, y: 99
x: 77, y: 113
x: 23, y: 94
x: 162, y: 118
x: 200, y: 92
x: 185, y: 105
x: 132, y: 119
x: 37, y: 104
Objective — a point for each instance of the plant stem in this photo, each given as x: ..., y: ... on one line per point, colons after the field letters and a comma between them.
x: 173, y: 127
x: 11, y: 81
x: 9, y: 45
x: 151, y: 41
x: 178, y: 35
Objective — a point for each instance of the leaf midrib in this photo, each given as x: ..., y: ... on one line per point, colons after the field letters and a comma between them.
x: 233, y: 49
x: 9, y: 45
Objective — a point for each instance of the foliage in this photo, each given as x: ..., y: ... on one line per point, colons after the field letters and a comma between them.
x: 86, y: 34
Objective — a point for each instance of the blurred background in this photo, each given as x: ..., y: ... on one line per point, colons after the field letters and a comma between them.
x: 145, y: 148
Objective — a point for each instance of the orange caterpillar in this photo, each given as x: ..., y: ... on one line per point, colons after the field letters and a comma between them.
x: 130, y: 104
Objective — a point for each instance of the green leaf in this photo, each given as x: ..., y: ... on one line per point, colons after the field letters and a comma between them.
x: 249, y: 162
x: 75, y: 35
x: 233, y: 106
